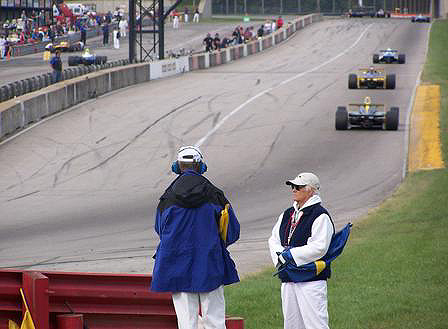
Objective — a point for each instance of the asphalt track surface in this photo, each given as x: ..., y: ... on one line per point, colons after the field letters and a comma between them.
x: 78, y: 192
x: 188, y: 36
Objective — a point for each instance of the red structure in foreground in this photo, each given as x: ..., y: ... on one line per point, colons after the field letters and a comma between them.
x: 64, y: 300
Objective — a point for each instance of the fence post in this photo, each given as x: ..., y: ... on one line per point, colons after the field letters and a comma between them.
x: 35, y: 287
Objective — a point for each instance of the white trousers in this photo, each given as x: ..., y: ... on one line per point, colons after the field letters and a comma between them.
x: 175, y: 22
x: 116, y: 43
x: 304, y: 305
x: 213, y: 309
x: 122, y: 32
x: 196, y: 18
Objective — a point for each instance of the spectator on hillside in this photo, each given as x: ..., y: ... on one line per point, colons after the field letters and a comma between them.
x: 225, y: 42
x: 105, y: 29
x: 260, y: 31
x: 196, y: 16
x: 175, y: 19
x: 2, y: 47
x: 279, y: 22
x: 208, y: 42
x: 83, y: 34
x: 56, y: 64
x: 123, y: 25
x: 216, y: 42
x: 116, y: 36
x: 186, y: 12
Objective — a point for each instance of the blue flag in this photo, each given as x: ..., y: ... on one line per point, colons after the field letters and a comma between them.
x: 309, y: 271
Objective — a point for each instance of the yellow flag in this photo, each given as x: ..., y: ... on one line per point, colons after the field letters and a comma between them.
x: 12, y: 325
x: 27, y: 322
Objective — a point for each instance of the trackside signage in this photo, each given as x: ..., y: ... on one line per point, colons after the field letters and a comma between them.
x: 169, y: 67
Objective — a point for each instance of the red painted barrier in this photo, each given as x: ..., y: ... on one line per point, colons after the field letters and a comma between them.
x: 105, y: 301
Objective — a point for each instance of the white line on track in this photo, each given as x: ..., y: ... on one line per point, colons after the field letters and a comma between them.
x: 236, y: 110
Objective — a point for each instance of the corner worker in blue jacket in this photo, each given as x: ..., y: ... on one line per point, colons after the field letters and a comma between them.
x: 195, y: 223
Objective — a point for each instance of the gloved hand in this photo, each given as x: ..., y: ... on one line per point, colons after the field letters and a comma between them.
x: 284, y: 257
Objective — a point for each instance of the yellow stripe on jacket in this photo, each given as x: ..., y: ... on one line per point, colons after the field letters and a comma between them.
x: 224, y: 222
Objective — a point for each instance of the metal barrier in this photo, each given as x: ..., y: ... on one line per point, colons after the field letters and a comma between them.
x: 104, y: 300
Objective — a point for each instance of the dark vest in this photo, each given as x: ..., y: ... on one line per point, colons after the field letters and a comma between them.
x: 301, y: 234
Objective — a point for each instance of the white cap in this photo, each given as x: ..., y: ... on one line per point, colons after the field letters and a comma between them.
x: 189, y: 154
x: 305, y: 178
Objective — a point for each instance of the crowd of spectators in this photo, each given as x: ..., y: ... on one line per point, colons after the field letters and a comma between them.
x: 241, y: 35
x: 38, y: 27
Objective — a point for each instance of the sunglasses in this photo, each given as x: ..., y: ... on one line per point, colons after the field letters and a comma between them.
x: 297, y: 187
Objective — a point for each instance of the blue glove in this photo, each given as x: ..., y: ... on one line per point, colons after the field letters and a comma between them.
x: 284, y: 258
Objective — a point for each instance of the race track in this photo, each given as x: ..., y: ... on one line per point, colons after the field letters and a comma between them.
x: 78, y: 192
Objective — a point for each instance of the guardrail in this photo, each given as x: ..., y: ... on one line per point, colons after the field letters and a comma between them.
x: 104, y: 300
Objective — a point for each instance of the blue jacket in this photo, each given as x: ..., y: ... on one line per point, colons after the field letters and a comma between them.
x: 195, y: 223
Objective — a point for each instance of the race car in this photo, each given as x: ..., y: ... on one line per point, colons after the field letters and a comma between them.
x: 389, y: 56
x: 371, y: 78
x: 367, y: 115
x: 87, y: 58
x: 65, y: 46
x: 420, y: 19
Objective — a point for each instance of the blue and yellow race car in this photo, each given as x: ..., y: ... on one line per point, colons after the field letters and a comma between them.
x: 367, y: 115
x: 371, y: 78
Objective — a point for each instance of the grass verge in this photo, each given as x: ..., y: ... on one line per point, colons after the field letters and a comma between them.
x: 392, y: 272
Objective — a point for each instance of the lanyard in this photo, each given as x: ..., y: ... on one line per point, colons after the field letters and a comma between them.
x: 295, y: 219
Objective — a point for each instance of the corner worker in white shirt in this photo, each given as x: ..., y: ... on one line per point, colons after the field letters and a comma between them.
x: 302, y: 235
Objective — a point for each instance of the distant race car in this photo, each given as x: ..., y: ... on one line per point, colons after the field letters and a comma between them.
x: 371, y: 78
x: 65, y: 46
x: 367, y: 115
x: 87, y: 58
x: 389, y: 56
x: 421, y: 19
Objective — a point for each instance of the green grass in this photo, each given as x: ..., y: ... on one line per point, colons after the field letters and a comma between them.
x: 392, y: 272
x: 436, y: 71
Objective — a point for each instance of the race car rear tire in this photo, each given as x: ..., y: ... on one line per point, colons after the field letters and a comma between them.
x: 341, y: 122
x: 401, y: 58
x: 390, y: 81
x: 352, y: 81
x: 392, y: 118
x: 376, y: 58
x: 74, y: 60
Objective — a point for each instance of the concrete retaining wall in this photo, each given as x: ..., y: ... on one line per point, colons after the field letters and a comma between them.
x: 25, y: 109
x: 20, y: 112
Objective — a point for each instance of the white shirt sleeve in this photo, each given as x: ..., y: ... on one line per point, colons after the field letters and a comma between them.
x: 275, y: 244
x: 317, y: 244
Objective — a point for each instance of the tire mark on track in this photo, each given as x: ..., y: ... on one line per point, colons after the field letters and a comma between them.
x: 136, y: 137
